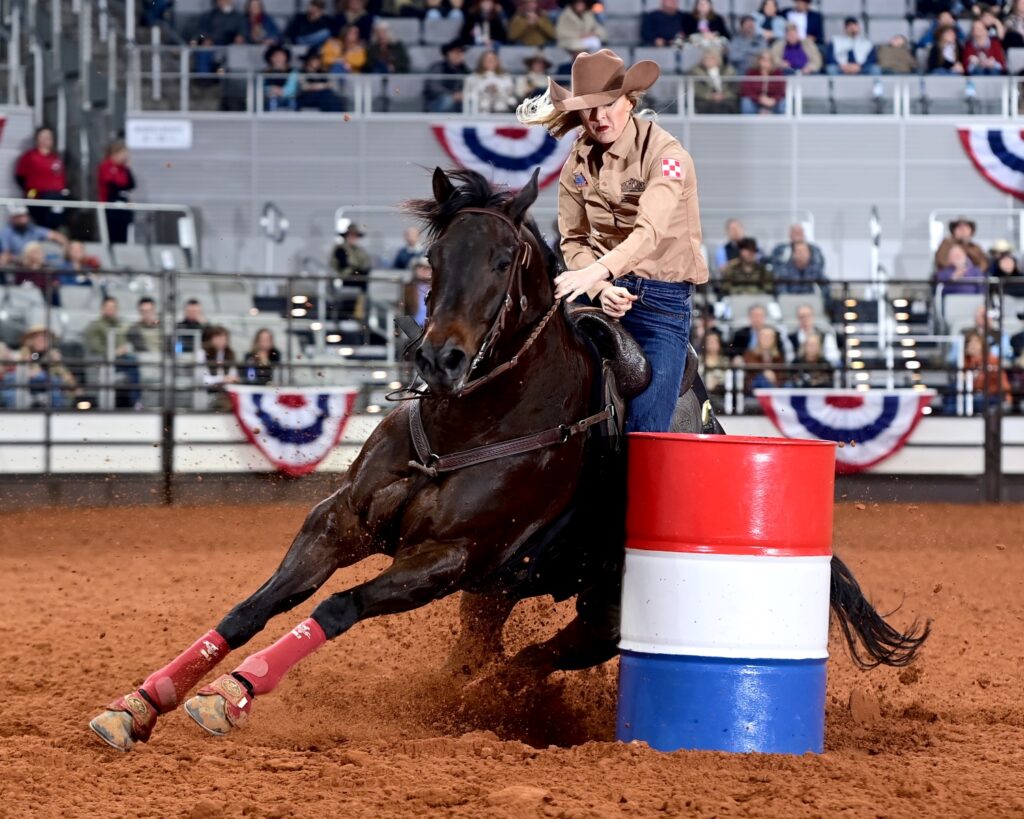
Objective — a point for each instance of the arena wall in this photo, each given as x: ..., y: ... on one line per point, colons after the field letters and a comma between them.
x: 836, y: 168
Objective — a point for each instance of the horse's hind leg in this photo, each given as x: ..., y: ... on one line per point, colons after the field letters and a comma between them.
x: 417, y: 576
x: 314, y: 555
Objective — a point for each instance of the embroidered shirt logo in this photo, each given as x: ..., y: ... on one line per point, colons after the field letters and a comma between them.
x: 580, y: 180
x: 672, y: 168
x: 634, y: 186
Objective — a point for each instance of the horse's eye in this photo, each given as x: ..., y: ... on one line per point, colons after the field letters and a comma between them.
x: 503, y: 265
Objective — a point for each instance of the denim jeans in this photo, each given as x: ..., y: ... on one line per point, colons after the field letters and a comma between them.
x: 660, y: 322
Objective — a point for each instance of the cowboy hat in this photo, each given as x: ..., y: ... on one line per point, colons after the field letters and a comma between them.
x: 537, y: 57
x: 1001, y: 246
x: 600, y: 79
x: 35, y: 330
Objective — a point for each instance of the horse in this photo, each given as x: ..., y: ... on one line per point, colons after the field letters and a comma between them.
x: 503, y: 478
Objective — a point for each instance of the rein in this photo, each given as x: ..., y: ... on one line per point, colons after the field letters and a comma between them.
x: 432, y: 464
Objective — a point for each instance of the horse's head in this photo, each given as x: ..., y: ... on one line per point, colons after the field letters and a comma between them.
x: 484, y: 274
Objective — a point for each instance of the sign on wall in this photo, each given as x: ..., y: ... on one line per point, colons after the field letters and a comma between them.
x: 158, y: 134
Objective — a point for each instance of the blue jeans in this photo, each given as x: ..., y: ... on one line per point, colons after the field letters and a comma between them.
x: 660, y: 322
x: 749, y: 106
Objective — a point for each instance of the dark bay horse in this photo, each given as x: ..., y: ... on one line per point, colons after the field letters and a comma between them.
x: 491, y: 484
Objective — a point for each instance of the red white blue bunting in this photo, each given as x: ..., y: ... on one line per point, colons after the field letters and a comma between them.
x: 294, y: 428
x: 871, y: 426
x: 506, y: 155
x: 998, y: 154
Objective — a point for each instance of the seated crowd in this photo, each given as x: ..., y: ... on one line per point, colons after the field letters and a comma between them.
x: 354, y: 37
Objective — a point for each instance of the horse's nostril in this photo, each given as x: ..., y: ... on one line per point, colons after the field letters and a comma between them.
x: 452, y: 361
x: 423, y: 361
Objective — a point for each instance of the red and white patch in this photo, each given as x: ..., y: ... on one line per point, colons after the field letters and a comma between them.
x: 672, y: 168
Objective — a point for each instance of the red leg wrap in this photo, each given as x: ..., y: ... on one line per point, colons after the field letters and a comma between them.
x: 168, y: 685
x: 265, y: 669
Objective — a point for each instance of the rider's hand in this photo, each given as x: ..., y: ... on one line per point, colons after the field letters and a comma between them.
x: 616, y: 301
x: 573, y: 283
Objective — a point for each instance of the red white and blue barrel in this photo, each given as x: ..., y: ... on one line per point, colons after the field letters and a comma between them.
x: 725, y: 602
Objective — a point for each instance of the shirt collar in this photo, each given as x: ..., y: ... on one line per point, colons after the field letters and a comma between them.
x: 621, y: 146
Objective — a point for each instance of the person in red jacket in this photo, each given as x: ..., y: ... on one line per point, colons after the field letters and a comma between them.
x: 40, y: 174
x: 114, y: 180
x: 983, y: 53
x: 763, y: 91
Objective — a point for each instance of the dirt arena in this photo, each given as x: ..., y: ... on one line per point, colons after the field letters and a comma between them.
x: 371, y: 726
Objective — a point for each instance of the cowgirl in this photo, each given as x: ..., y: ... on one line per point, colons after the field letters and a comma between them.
x: 628, y: 217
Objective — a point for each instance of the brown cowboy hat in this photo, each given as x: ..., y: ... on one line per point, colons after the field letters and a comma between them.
x: 600, y: 79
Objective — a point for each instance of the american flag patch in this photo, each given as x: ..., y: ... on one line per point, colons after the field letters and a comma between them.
x: 672, y: 168
x: 580, y: 180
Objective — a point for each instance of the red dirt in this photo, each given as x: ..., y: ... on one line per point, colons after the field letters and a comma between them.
x: 370, y: 726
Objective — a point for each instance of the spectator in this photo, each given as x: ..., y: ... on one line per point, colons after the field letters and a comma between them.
x: 77, y: 267
x: 801, y: 272
x: 40, y: 174
x: 1017, y: 345
x: 976, y: 361
x: 222, y: 25
x: 312, y: 27
x: 349, y: 258
x: 852, y: 53
x: 708, y: 28
x: 386, y: 55
x: 794, y: 55
x: 746, y: 45
x: 49, y: 381
x: 960, y: 275
x: 315, y: 89
x: 1014, y: 25
x: 281, y: 81
x: 19, y: 231
x: 763, y: 360
x: 535, y: 81
x: 745, y: 273
x: 345, y: 53
x: 259, y: 27
x: 484, y: 25
x: 761, y: 92
x: 114, y: 181
x: 1004, y: 266
x: 490, y: 89
x: 664, y: 26
x: 418, y: 289
x: 961, y: 232
x: 943, y: 19
x: 32, y: 269
x: 577, y: 28
x: 412, y: 249
x: 985, y: 327
x: 221, y: 365
x: 808, y: 327
x: 745, y: 338
x: 261, y: 359
x: 529, y: 27
x: 713, y: 365
x: 193, y: 323
x: 443, y: 10
x: 445, y: 96
x: 812, y: 369
x: 895, y: 57
x: 808, y: 22
x: 145, y: 335
x: 945, y: 55
x: 705, y: 324
x: 770, y: 22
x: 993, y: 25
x: 983, y: 55
x: 712, y: 89
x: 734, y: 232
x: 782, y: 252
x: 97, y: 338
x: 354, y: 13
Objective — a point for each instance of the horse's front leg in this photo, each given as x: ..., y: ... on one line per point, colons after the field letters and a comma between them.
x: 330, y: 538
x: 418, y: 575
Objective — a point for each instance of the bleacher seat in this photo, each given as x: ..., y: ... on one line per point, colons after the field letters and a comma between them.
x: 957, y: 309
x: 856, y: 95
x: 816, y: 93
x: 790, y: 303
x: 666, y: 58
x: 422, y: 57
x: 512, y: 57
x: 101, y: 253
x: 843, y: 8
x: 737, y: 306
x: 623, y: 31
x: 168, y: 257
x: 191, y: 7
x: 405, y: 29
x: 132, y: 257
x: 890, y: 8
x: 52, y: 250
x: 231, y: 296
x: 438, y: 32
x: 244, y: 58
x: 834, y: 27
x: 883, y: 29
x: 1015, y: 60
x: 631, y: 6
x: 690, y: 58
x: 403, y: 93
x: 741, y: 7
x: 284, y: 7
x: 74, y: 297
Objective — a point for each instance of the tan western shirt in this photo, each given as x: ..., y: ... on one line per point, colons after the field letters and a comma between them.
x: 637, y: 212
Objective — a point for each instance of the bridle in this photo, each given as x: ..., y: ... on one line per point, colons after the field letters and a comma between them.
x: 514, y: 286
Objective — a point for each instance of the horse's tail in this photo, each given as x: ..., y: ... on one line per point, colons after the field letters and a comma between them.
x: 871, y: 640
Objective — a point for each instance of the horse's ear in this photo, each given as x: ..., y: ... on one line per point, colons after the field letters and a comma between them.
x: 521, y: 202
x: 443, y: 188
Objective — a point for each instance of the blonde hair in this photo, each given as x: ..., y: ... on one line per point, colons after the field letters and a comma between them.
x: 541, y: 111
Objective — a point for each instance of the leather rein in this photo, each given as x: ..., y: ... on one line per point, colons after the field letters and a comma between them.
x: 432, y: 464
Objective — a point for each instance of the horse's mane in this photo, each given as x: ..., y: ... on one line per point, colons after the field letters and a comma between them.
x: 472, y: 190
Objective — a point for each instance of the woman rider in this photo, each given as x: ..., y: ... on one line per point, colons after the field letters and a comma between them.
x: 628, y: 217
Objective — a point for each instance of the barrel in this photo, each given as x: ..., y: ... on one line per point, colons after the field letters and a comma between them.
x: 725, y: 602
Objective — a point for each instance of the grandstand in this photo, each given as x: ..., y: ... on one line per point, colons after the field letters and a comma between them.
x: 238, y: 205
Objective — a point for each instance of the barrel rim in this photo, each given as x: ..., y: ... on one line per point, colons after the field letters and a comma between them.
x: 689, y: 437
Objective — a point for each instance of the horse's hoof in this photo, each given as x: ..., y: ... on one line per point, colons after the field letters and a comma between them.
x: 115, y: 729
x: 220, y: 706
x: 127, y: 720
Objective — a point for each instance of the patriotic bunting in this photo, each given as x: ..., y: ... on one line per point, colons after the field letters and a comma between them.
x: 871, y: 426
x: 294, y: 428
x: 506, y: 155
x: 998, y: 153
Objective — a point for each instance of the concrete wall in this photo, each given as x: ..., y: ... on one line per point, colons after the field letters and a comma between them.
x: 15, y: 138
